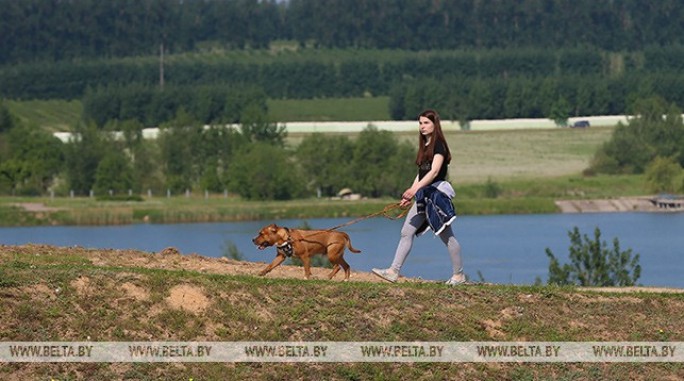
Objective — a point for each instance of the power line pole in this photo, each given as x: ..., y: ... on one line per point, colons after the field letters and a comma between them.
x: 161, y: 66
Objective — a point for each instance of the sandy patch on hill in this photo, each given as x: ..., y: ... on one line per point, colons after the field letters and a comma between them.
x: 172, y: 259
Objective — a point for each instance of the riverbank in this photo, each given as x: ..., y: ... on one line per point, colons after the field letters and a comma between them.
x: 88, y: 211
x: 519, y: 196
x: 620, y: 204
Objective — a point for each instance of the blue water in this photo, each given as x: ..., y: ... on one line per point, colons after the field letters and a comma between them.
x: 501, y: 249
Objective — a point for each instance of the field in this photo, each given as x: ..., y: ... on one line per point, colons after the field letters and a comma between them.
x: 53, y: 115
x: 508, y: 155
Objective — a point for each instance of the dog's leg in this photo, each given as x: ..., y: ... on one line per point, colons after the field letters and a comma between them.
x: 276, y: 261
x: 345, y: 266
x: 334, y: 271
x: 306, y: 261
x: 336, y: 257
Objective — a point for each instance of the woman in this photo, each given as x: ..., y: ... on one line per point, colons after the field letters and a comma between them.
x: 433, y: 208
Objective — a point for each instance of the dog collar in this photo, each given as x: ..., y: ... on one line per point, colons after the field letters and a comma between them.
x: 286, y: 248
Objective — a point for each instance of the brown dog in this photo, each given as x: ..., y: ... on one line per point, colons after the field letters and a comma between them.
x: 304, y: 244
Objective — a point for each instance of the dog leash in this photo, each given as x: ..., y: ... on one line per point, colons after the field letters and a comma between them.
x: 287, y: 246
x: 384, y: 212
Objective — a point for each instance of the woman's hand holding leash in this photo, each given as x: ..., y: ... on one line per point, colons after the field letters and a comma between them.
x: 407, y: 197
x: 404, y: 202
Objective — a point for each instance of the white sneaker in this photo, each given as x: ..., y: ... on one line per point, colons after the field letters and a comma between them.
x: 386, y: 274
x: 456, y: 280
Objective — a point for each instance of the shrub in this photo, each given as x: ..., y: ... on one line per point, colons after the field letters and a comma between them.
x: 662, y: 175
x: 593, y: 264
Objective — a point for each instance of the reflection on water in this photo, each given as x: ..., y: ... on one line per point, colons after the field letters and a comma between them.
x: 502, y: 249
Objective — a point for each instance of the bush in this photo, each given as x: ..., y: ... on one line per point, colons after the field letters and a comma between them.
x: 657, y: 130
x: 662, y: 175
x: 593, y: 264
x: 492, y: 189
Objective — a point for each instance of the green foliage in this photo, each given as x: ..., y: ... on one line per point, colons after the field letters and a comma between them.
x: 326, y: 162
x: 380, y: 164
x: 462, y: 84
x: 329, y: 109
x: 559, y: 112
x: 468, y: 24
x: 592, y: 263
x: 179, y: 142
x: 263, y: 171
x: 32, y: 159
x: 256, y: 128
x: 664, y: 175
x: 119, y: 198
x: 492, y: 189
x: 152, y: 106
x: 6, y: 119
x: 656, y: 130
x: 231, y: 251
x: 114, y: 174
x: 82, y: 157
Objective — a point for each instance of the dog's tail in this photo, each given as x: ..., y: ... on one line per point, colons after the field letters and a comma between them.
x: 349, y: 246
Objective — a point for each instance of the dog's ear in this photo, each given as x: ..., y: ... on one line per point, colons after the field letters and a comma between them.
x: 273, y: 228
x: 282, y: 233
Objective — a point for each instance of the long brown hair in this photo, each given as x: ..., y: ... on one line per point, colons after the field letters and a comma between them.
x: 426, y: 153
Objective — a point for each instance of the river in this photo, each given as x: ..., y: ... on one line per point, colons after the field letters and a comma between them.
x: 505, y: 249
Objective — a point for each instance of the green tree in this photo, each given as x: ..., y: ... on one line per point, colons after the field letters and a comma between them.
x: 592, y: 263
x: 663, y: 174
x: 114, y: 173
x: 82, y: 156
x: 656, y: 130
x: 263, y: 171
x: 326, y: 162
x: 6, y: 119
x: 34, y: 158
x: 380, y: 163
x: 179, y: 143
x: 143, y: 156
x: 560, y: 109
x: 256, y: 128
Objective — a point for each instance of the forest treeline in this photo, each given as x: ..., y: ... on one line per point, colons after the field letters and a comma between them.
x: 471, y: 59
x: 529, y: 83
x: 39, y: 30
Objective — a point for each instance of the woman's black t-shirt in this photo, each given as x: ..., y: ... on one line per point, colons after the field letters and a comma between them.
x: 425, y: 166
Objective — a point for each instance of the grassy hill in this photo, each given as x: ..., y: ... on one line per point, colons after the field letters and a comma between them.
x: 75, y: 294
x: 60, y: 115
x: 53, y: 115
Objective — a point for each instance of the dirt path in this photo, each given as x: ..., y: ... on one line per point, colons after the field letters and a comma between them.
x: 171, y: 259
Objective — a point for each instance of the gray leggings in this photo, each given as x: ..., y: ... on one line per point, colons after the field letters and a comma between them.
x: 408, y: 232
